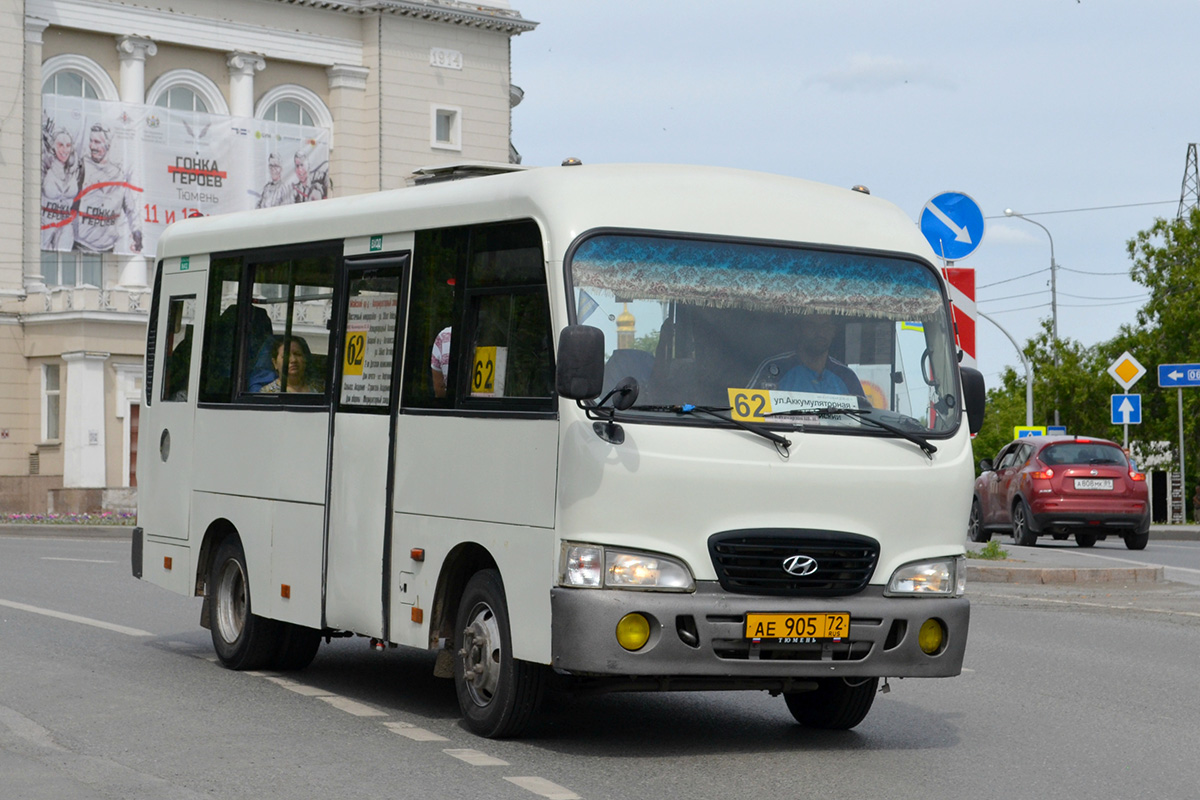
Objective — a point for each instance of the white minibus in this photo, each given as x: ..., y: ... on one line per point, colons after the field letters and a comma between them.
x: 580, y: 428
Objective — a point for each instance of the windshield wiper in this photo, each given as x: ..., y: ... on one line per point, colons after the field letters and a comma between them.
x: 865, y: 415
x: 714, y: 411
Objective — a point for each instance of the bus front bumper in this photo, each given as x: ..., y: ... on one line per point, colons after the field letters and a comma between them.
x: 700, y: 639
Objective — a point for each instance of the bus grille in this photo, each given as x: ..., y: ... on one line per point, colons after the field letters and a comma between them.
x: 752, y: 561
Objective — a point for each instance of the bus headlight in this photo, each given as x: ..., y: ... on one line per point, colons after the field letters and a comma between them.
x: 945, y: 577
x: 580, y: 566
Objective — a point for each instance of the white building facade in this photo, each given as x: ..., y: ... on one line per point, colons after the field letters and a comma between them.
x: 373, y: 90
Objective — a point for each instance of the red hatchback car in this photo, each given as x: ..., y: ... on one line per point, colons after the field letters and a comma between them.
x: 1062, y: 486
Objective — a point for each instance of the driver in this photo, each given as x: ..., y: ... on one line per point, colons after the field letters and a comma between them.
x: 810, y: 368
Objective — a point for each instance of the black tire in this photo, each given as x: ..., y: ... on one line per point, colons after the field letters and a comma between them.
x: 1022, y: 533
x: 975, y: 531
x: 1085, y: 539
x: 835, y: 704
x: 1137, y: 541
x: 242, y: 639
x: 298, y: 646
x: 503, y: 693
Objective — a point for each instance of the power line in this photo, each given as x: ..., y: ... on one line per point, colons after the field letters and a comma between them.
x: 1116, y: 297
x: 1009, y: 280
x: 1010, y: 296
x: 1022, y: 308
x: 1102, y: 305
x: 1087, y: 272
x: 1093, y: 208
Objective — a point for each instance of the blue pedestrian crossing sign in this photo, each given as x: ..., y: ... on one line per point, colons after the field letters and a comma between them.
x: 952, y: 223
x: 1126, y: 409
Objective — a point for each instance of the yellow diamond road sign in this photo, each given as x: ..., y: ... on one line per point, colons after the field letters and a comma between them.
x: 1126, y: 370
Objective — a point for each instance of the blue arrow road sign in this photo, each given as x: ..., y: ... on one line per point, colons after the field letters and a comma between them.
x: 1126, y: 409
x: 952, y: 224
x: 1056, y: 430
x: 1178, y: 375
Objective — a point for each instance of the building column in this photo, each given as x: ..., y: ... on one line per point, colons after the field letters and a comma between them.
x: 31, y: 221
x: 352, y: 170
x: 242, y: 67
x: 132, y: 52
x: 83, y: 421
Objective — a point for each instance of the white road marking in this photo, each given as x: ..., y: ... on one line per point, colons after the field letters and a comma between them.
x: 411, y: 731
x: 545, y: 788
x: 1109, y: 606
x: 351, y: 706
x: 299, y: 688
x: 476, y: 758
x: 95, y: 623
x: 82, y: 560
x: 27, y: 729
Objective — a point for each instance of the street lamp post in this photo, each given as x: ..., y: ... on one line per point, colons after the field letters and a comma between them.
x: 1008, y: 212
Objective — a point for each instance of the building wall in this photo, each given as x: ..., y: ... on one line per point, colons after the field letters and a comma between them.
x: 370, y: 74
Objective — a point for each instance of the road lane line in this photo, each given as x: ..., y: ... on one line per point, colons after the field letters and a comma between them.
x: 545, y: 788
x: 80, y: 560
x: 476, y: 758
x: 351, y: 706
x: 27, y: 729
x: 95, y: 623
x: 299, y: 688
x: 410, y: 731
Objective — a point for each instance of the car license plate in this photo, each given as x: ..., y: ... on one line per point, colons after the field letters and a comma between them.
x: 1093, y: 483
x: 797, y: 626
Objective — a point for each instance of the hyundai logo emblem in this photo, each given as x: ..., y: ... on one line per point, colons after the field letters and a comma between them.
x: 800, y: 566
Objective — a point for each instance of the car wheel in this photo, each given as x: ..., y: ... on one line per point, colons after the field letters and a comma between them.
x: 1137, y: 541
x: 975, y: 531
x: 834, y: 704
x: 497, y: 694
x: 1022, y: 533
x: 242, y: 639
x: 1085, y: 539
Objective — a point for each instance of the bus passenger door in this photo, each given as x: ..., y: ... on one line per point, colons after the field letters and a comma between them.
x: 358, y: 537
x: 164, y: 506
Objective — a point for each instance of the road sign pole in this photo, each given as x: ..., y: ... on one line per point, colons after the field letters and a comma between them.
x: 1126, y: 426
x: 1182, y: 468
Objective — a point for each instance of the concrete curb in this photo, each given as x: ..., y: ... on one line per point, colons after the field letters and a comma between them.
x: 1062, y: 575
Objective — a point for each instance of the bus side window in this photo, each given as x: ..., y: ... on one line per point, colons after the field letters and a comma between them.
x: 220, y: 330
x: 511, y: 348
x: 181, y: 318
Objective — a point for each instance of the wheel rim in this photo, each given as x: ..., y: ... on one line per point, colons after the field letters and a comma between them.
x: 231, y: 600
x: 481, y: 654
x: 973, y: 523
x: 1018, y: 521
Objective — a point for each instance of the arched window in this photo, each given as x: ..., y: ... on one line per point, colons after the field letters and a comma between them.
x: 187, y: 90
x: 295, y: 105
x: 289, y: 111
x: 77, y: 76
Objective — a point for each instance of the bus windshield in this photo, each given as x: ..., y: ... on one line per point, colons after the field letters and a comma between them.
x: 773, y: 333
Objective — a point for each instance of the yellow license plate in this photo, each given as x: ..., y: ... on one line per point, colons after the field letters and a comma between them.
x: 797, y: 626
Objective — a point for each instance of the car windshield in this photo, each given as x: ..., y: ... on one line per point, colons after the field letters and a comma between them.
x: 761, y: 329
x: 1082, y: 453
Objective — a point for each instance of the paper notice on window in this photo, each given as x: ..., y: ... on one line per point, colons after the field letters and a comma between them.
x: 368, y: 350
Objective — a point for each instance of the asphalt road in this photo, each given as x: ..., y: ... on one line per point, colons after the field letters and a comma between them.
x: 108, y: 689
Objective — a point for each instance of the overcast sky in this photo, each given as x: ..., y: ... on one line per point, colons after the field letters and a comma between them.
x: 1034, y: 105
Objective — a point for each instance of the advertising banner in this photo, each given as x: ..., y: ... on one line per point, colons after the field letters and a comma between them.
x: 114, y: 175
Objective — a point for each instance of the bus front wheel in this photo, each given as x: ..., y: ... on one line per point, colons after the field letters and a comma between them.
x: 242, y: 639
x: 836, y: 704
x: 498, y: 694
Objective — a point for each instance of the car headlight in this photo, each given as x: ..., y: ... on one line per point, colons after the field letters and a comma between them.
x: 944, y: 577
x: 595, y: 567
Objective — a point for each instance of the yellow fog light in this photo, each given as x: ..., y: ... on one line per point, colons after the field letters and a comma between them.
x: 932, y: 637
x: 633, y: 631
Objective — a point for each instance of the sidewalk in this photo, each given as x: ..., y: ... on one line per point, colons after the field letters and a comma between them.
x: 1064, y: 562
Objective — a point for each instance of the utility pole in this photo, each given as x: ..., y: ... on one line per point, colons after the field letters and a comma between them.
x: 1189, y: 193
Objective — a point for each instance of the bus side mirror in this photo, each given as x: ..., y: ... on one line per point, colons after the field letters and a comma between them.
x: 580, y: 362
x: 974, y: 397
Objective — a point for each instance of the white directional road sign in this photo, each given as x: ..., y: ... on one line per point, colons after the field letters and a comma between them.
x: 1172, y: 375
x: 1126, y: 370
x: 952, y: 224
x: 1126, y: 409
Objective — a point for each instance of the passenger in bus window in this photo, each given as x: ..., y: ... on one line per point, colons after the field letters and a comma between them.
x: 814, y: 370
x: 300, y: 377
x: 439, y: 362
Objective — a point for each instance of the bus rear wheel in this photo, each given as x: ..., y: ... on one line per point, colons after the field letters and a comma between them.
x: 835, y: 704
x: 242, y: 639
x: 298, y: 646
x: 498, y: 694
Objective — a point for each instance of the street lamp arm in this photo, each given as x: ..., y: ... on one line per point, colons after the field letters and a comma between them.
x: 1028, y: 370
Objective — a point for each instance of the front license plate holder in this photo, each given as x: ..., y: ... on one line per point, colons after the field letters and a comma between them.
x: 827, y: 626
